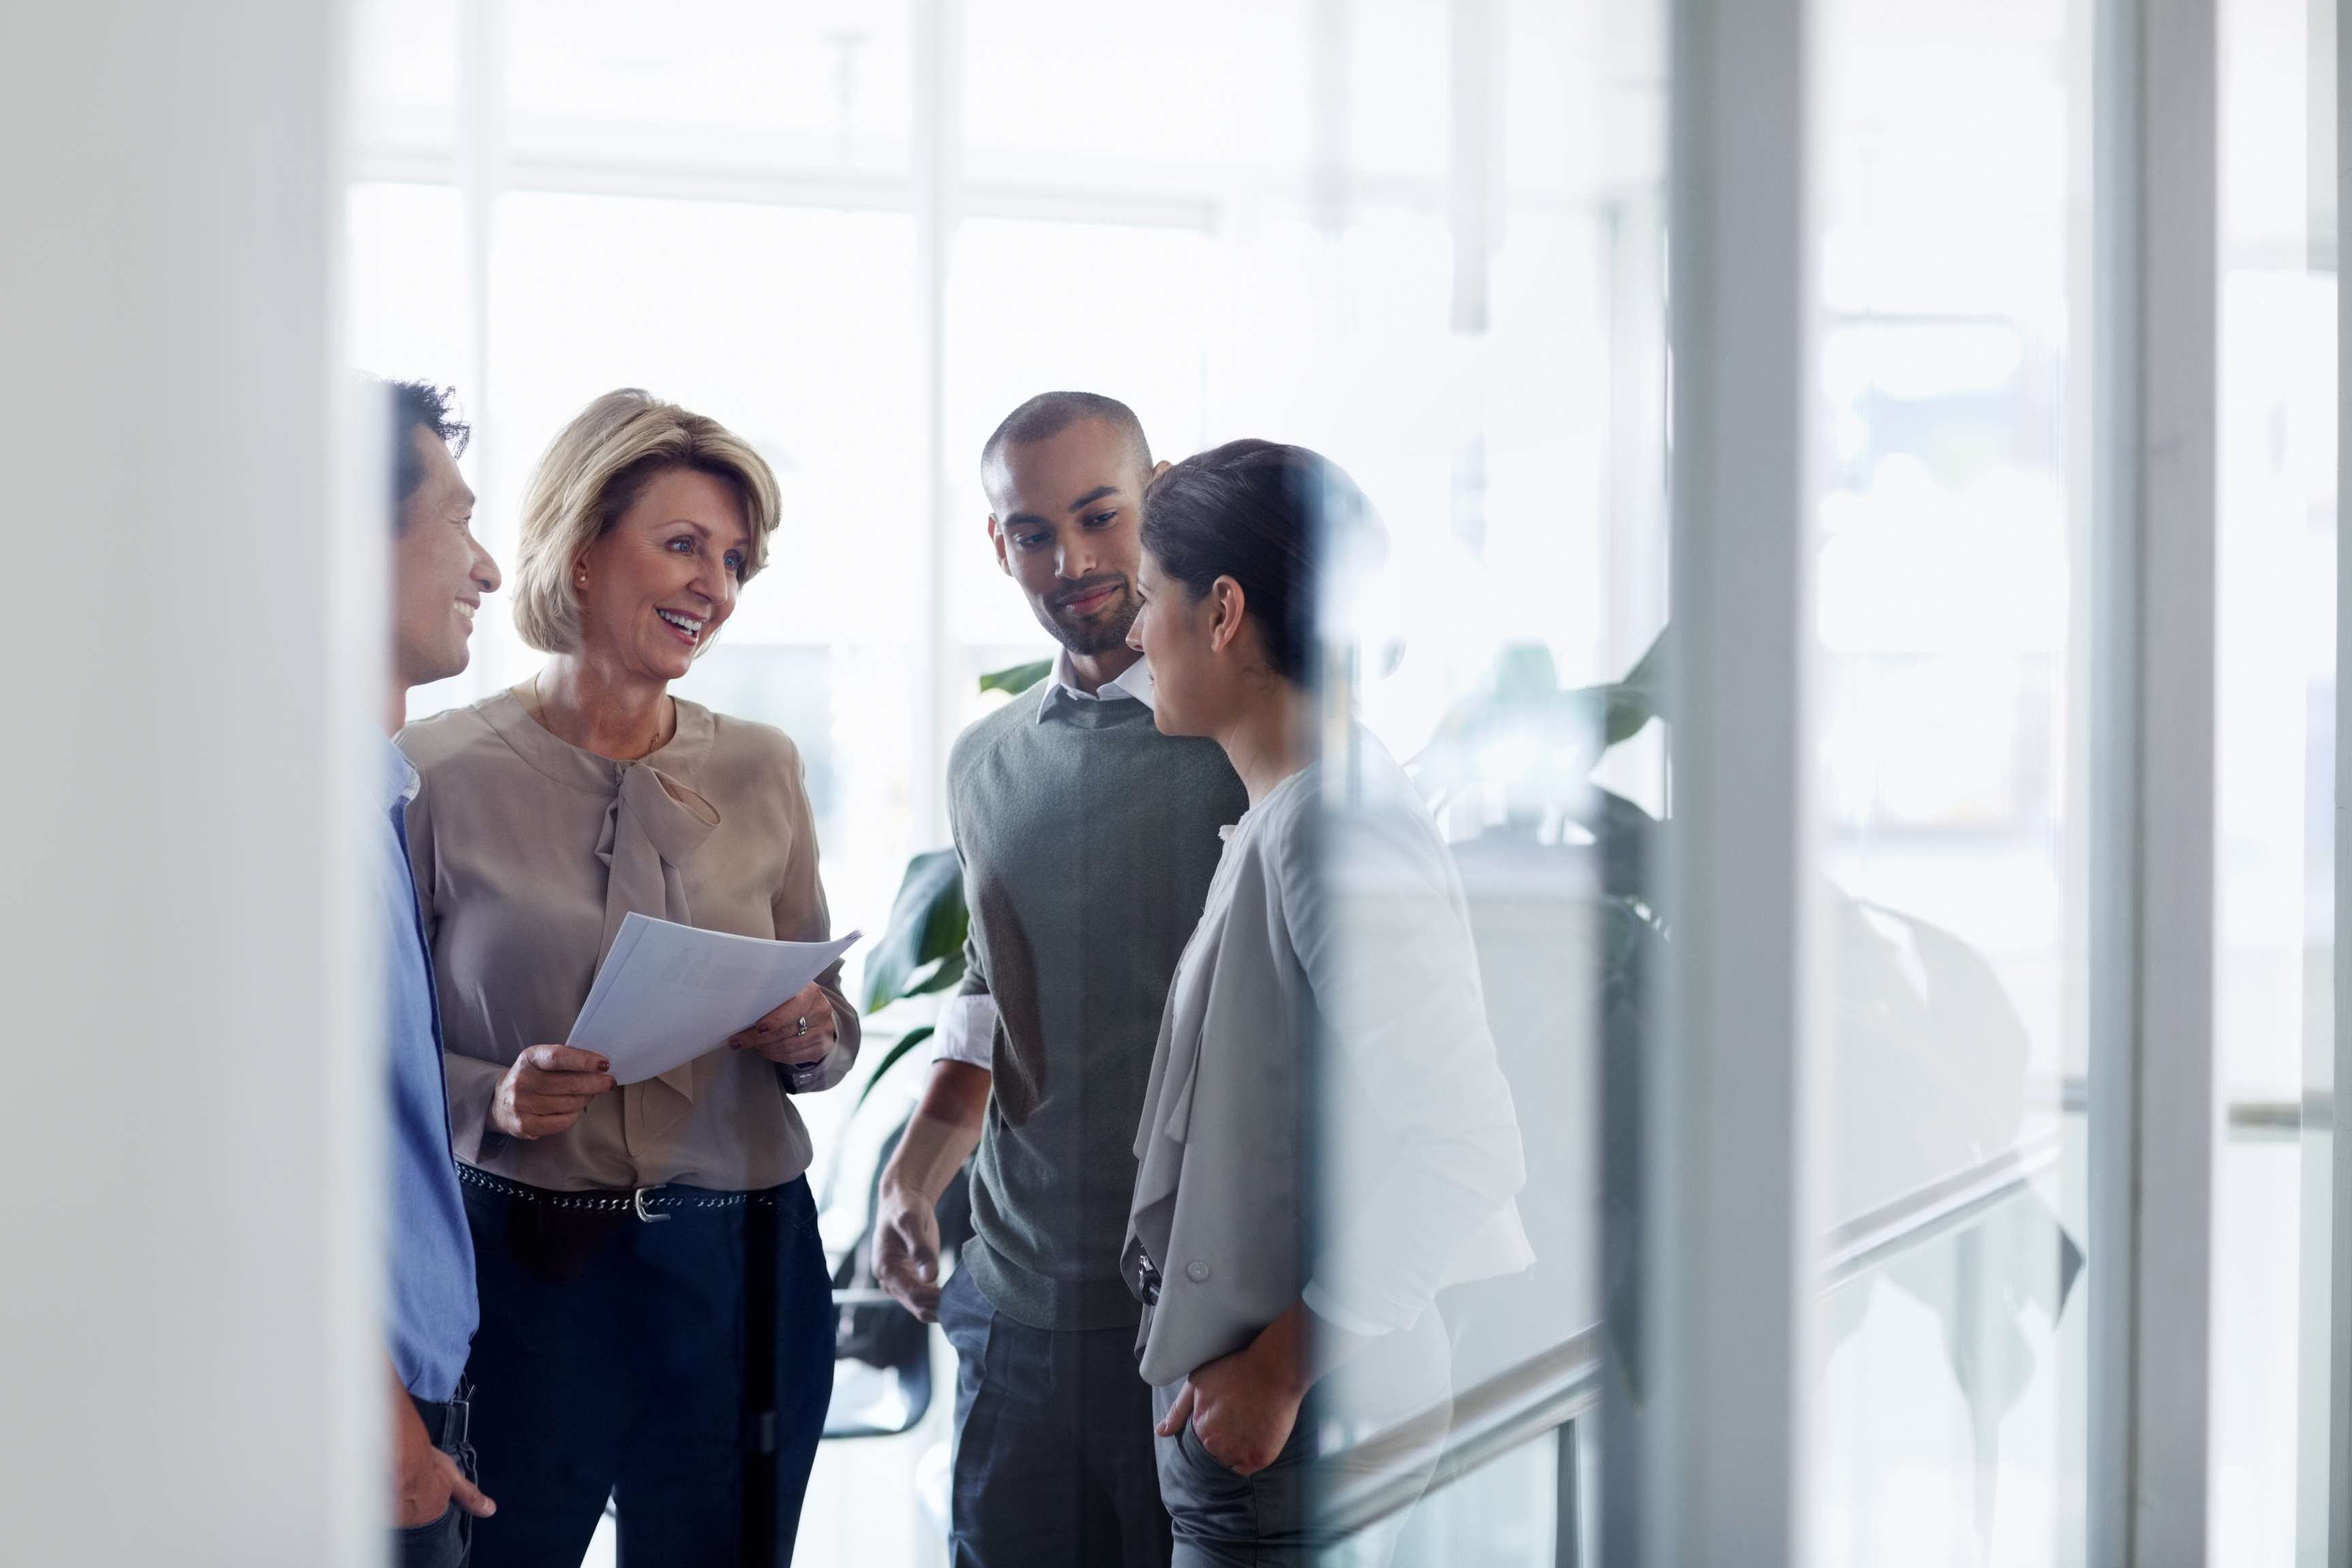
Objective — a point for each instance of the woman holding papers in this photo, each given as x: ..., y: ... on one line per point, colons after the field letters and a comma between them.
x: 1289, y: 1290
x: 656, y: 1315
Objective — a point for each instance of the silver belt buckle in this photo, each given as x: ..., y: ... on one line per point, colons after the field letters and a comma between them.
x: 637, y: 1206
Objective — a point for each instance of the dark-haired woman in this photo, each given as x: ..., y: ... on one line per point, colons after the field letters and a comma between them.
x: 1338, y: 929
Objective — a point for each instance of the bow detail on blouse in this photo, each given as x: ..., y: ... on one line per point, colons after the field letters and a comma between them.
x: 652, y: 828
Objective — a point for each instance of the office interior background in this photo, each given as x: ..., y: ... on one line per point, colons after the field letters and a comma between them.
x: 1981, y: 1180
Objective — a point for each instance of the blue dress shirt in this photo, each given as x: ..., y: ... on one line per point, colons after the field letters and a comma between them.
x: 430, y: 1309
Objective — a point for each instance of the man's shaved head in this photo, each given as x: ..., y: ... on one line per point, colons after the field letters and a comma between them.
x: 1049, y: 414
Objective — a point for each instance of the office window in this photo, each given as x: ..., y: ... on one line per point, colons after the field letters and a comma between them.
x: 406, y: 281
x: 718, y: 86
x: 1119, y: 100
x: 405, y: 87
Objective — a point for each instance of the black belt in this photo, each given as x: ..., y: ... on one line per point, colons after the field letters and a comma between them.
x: 652, y: 1203
x: 1142, y: 1274
x: 448, y: 1421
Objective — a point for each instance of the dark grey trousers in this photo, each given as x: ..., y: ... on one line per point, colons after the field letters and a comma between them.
x: 1054, y: 1462
x: 1279, y: 1517
x: 1227, y: 1520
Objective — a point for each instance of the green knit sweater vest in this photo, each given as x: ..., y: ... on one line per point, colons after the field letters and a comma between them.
x: 1088, y: 841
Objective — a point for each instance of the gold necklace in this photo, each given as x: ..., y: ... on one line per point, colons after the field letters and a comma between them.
x: 537, y: 706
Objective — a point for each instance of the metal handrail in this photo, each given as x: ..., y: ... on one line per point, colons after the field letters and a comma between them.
x: 2247, y: 1119
x: 1389, y: 1471
x: 2267, y: 1119
x: 1863, y: 1243
x: 1385, y: 1472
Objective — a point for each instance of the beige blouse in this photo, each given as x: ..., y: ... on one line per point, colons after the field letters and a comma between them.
x: 529, y: 852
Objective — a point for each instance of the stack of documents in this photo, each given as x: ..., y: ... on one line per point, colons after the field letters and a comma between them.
x: 666, y: 993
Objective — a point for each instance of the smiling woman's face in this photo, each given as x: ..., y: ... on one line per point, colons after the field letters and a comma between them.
x: 663, y: 579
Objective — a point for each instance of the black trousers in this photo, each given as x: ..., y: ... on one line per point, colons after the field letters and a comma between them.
x: 444, y: 1543
x: 680, y: 1366
x: 1053, y: 1466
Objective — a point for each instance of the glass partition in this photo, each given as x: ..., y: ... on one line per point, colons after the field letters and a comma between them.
x: 2275, y: 715
x: 1424, y: 240
x: 1427, y: 239
x: 1954, y: 823
x: 1494, y: 382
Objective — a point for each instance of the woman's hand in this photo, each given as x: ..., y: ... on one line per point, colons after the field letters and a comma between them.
x: 546, y: 1089
x: 800, y: 1032
x: 1243, y: 1405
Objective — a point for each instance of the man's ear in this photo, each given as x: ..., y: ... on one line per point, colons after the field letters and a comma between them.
x: 1159, y: 468
x: 996, y: 540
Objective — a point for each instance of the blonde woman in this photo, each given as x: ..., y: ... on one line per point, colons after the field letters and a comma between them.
x: 657, y: 1317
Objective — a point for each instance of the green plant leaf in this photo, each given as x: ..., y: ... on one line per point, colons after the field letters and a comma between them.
x: 1643, y: 689
x: 926, y: 926
x: 945, y: 977
x: 1630, y: 846
x: 1649, y: 672
x: 1019, y: 678
x: 892, y: 1057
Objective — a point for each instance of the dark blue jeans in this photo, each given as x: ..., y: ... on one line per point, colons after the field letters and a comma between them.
x: 1053, y: 1451
x: 680, y: 1366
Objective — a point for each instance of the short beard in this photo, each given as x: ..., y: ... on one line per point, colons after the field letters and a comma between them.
x: 1102, y: 632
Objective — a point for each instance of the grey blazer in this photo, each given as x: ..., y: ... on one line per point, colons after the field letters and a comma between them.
x: 1349, y: 928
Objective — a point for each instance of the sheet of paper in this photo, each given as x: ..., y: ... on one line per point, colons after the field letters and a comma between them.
x: 666, y: 992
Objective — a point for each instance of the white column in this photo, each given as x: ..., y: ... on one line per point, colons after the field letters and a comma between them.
x: 2152, y: 1110
x: 482, y: 176
x: 1732, y: 1208
x: 2334, y: 1433
x: 936, y: 27
x: 192, y: 1057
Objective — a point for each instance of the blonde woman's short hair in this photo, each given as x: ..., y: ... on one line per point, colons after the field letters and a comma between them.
x: 593, y: 472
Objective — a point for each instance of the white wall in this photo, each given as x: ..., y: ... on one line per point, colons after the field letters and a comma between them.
x: 183, y: 1320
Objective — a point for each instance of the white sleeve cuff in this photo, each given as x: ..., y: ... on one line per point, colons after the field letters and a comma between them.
x: 967, y: 1031
x: 1318, y: 1301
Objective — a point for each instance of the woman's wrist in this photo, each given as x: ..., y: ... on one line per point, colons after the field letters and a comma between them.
x: 1281, y: 1356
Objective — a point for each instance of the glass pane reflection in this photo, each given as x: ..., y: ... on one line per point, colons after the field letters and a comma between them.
x: 1953, y: 831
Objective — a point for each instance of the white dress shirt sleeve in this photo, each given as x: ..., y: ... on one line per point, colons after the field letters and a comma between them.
x: 967, y: 1030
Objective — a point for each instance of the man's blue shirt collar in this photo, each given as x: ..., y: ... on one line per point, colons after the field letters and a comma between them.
x: 400, y: 781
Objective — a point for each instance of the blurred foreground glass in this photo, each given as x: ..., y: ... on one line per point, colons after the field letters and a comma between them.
x: 1953, y: 626
x: 2275, y: 721
x: 1493, y: 378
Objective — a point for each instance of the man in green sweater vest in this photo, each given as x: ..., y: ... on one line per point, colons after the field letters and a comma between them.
x: 1088, y: 840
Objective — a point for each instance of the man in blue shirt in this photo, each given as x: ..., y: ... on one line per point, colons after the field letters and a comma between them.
x: 439, y: 575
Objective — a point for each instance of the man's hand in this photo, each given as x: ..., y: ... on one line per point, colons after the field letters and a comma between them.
x: 906, y: 1249
x: 546, y: 1089
x: 800, y: 1032
x: 424, y: 1478
x: 939, y: 1137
